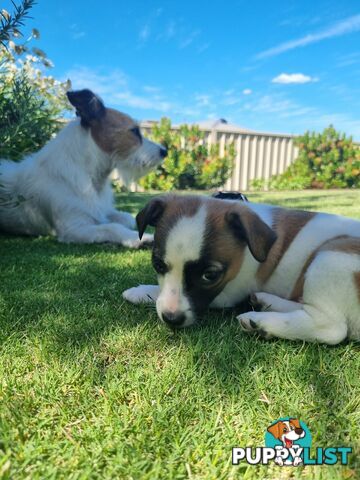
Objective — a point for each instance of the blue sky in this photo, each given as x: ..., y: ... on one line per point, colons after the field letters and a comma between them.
x: 279, y: 66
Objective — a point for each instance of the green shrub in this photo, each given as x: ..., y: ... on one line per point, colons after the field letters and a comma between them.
x: 30, y: 101
x: 27, y: 120
x: 326, y: 160
x: 190, y: 164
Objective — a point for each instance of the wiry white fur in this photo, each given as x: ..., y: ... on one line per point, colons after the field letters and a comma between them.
x: 64, y: 189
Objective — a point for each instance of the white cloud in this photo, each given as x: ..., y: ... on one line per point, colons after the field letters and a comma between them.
x: 230, y: 100
x: 202, y: 100
x: 144, y: 33
x: 101, y: 83
x: 203, y: 47
x: 247, y: 91
x: 117, y: 90
x: 346, y: 26
x: 189, y: 39
x: 77, y: 33
x: 349, y: 60
x: 170, y: 30
x: 130, y: 99
x: 151, y: 89
x: 287, y: 78
x: 114, y: 87
x: 277, y: 104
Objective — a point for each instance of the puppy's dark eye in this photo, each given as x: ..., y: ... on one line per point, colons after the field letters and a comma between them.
x: 160, y: 266
x: 136, y: 132
x: 210, y: 276
x: 284, y: 429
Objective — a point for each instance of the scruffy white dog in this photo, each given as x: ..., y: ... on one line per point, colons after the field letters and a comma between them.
x: 64, y: 189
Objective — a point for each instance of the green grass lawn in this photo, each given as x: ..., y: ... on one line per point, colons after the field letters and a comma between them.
x: 92, y: 387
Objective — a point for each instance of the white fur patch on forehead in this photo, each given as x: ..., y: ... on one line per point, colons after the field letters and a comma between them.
x: 185, y: 239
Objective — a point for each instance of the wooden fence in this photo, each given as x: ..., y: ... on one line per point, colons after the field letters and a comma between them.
x: 257, y: 155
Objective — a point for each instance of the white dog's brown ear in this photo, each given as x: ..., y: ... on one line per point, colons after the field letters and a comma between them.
x: 275, y: 430
x: 248, y: 226
x: 150, y: 215
x: 88, y: 106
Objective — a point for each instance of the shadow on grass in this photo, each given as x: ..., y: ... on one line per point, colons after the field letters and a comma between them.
x: 68, y: 293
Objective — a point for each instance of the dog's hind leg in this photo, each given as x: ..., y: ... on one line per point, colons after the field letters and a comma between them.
x: 308, y: 324
x: 142, y: 294
x: 266, y: 302
x: 104, y: 233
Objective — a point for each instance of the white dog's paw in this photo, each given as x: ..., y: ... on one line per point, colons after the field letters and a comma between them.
x: 146, y: 241
x: 124, y: 218
x: 297, y: 461
x: 251, y: 322
x: 141, y: 294
x: 279, y: 461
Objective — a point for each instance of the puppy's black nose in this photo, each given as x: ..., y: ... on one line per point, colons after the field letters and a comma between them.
x: 173, y: 319
x: 163, y: 152
x: 299, y: 431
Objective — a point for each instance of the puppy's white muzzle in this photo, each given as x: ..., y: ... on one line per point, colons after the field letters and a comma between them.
x: 172, y: 306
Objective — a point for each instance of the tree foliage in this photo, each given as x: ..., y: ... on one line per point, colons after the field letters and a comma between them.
x: 31, y: 102
x: 10, y: 23
x: 190, y: 163
x: 326, y: 160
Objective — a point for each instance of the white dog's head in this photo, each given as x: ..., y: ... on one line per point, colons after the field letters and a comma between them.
x: 118, y: 135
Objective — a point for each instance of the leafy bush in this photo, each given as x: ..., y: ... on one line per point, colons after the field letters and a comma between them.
x: 27, y: 119
x: 326, y: 160
x: 30, y: 101
x: 10, y: 23
x: 190, y: 164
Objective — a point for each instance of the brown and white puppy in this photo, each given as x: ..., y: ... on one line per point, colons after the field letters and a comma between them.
x: 302, y: 268
x: 65, y: 189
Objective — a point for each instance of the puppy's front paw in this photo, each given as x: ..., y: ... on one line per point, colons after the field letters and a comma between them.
x: 279, y: 461
x: 250, y: 322
x: 141, y: 294
x: 297, y: 461
x: 259, y: 303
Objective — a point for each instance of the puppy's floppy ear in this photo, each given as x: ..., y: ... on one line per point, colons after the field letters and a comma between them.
x: 295, y: 422
x: 88, y: 106
x: 275, y: 430
x: 248, y: 226
x: 150, y: 214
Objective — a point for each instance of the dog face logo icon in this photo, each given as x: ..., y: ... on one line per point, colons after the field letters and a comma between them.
x: 288, y: 436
